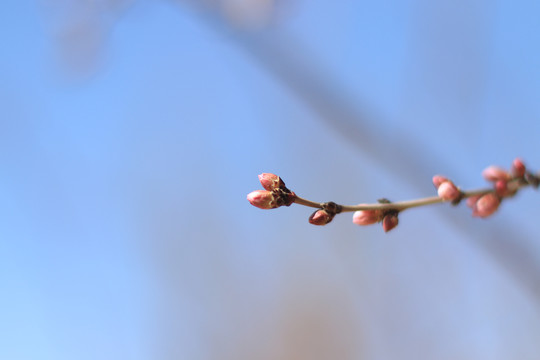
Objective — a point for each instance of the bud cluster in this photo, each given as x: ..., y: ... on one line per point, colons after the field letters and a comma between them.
x: 389, y: 218
x: 505, y: 184
x: 275, y: 195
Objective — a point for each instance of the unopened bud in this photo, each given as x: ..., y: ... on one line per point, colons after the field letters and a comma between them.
x: 502, y: 189
x: 486, y: 205
x: 448, y: 191
x: 366, y: 217
x: 495, y: 173
x: 389, y: 222
x: 471, y: 201
x: 271, y: 181
x: 438, y: 180
x: 320, y: 217
x: 262, y: 199
x: 518, y: 168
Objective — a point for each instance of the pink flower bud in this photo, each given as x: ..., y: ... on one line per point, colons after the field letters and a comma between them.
x: 366, y: 217
x: 448, y: 191
x: 262, y: 199
x: 471, y: 201
x: 494, y: 173
x: 320, y: 217
x: 501, y: 188
x: 271, y: 181
x: 518, y: 168
x: 438, y: 180
x: 486, y: 205
x: 389, y: 222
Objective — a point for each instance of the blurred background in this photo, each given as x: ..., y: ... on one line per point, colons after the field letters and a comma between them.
x: 131, y: 132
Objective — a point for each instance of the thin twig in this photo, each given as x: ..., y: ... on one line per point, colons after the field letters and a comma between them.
x: 404, y: 205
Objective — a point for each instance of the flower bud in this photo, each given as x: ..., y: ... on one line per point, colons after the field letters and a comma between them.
x: 448, y: 191
x: 320, y: 217
x: 438, y: 180
x: 366, y: 217
x: 389, y: 222
x: 271, y: 181
x: 471, y: 201
x: 262, y: 199
x: 501, y: 188
x: 486, y: 205
x: 495, y: 173
x: 518, y: 168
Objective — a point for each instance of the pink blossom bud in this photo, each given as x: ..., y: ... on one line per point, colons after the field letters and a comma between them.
x: 471, y: 201
x: 518, y: 168
x: 494, y: 173
x: 501, y: 188
x: 262, y: 199
x: 366, y: 217
x: 486, y: 205
x: 448, y: 191
x: 320, y: 217
x: 271, y: 181
x: 389, y: 222
x: 438, y: 180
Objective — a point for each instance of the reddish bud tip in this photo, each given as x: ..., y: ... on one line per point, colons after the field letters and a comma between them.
x: 518, y: 168
x: 448, y: 191
x: 366, y: 217
x: 438, y: 180
x: 486, y: 205
x: 262, y: 199
x: 495, y: 173
x: 320, y: 217
x: 271, y: 181
x: 389, y: 222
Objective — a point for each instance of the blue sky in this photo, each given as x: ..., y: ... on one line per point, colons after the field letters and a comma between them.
x: 125, y: 231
